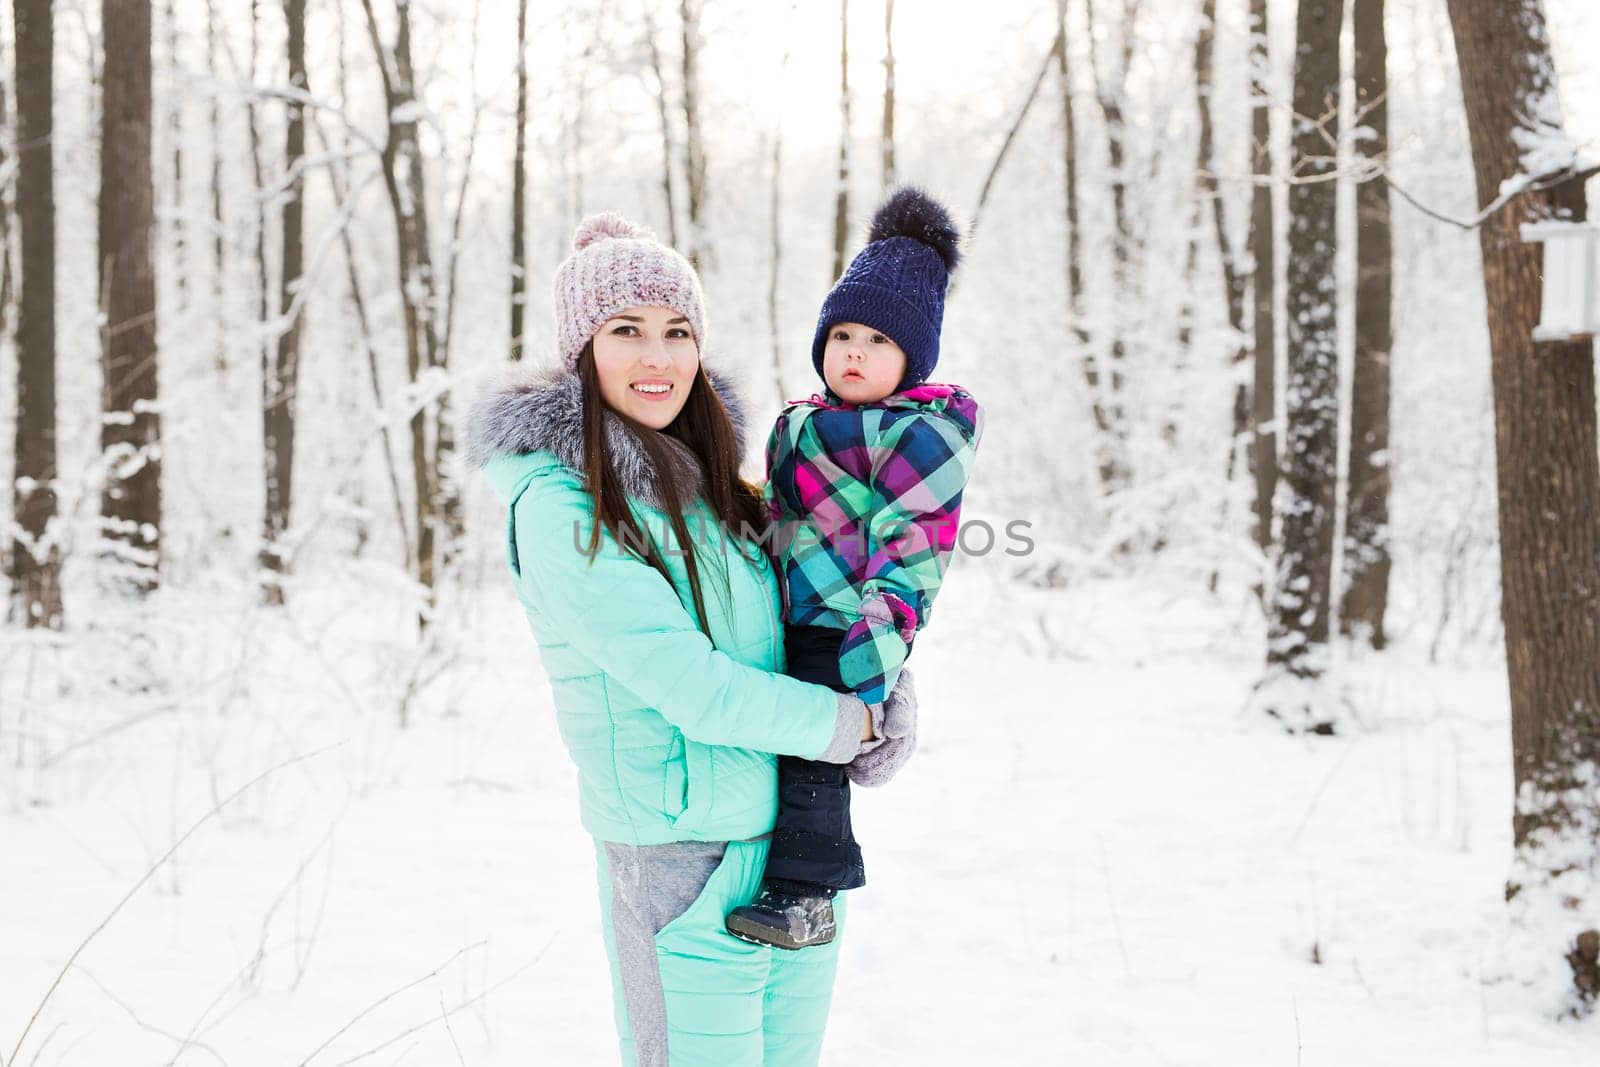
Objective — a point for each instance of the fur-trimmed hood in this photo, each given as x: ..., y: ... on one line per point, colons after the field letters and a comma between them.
x: 542, y: 410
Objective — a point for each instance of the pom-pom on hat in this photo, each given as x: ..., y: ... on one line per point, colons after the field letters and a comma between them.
x: 897, y: 283
x: 615, y: 265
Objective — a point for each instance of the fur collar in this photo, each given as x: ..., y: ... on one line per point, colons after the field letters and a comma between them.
x: 542, y: 410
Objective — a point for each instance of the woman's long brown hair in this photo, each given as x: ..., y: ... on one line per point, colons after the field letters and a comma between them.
x: 706, y: 428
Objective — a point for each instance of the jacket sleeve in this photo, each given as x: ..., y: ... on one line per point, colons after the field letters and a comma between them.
x: 626, y: 618
x: 919, y: 473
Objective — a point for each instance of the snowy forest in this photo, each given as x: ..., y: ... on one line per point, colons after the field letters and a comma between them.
x: 1261, y: 719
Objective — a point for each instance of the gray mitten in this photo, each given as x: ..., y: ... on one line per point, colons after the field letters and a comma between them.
x: 895, y: 723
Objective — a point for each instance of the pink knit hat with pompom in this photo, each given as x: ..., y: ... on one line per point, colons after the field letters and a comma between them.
x: 616, y: 265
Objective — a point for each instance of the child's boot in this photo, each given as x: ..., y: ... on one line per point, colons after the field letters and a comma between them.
x: 784, y: 919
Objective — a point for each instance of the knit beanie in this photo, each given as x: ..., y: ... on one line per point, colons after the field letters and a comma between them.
x: 615, y: 265
x: 896, y: 284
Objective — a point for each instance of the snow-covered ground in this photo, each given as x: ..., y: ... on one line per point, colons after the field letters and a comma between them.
x: 1095, y: 858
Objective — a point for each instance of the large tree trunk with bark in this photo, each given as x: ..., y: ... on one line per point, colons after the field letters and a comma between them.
x: 1263, y: 282
x: 1110, y: 78
x: 1366, y: 556
x: 279, y: 385
x: 1299, y: 614
x: 1549, y: 488
x: 130, y: 433
x: 175, y: 132
x: 403, y: 173
x: 35, y: 550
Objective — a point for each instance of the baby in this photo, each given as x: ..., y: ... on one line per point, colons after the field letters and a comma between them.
x: 864, y: 487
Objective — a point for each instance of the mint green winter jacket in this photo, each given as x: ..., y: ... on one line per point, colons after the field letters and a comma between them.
x: 673, y: 734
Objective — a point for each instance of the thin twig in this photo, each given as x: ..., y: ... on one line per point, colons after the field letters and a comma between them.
x: 1295, y: 1003
x: 215, y: 808
x: 444, y: 1017
x: 381, y: 1001
x: 125, y: 1006
x: 464, y: 1004
x: 1537, y: 185
x: 1315, y: 797
x: 1111, y: 899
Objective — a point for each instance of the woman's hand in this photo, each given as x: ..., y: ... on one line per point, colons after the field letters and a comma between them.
x: 897, y: 724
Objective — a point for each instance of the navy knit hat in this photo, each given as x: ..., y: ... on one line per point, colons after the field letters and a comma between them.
x: 896, y: 285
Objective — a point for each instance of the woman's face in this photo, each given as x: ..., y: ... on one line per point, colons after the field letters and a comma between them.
x: 646, y: 359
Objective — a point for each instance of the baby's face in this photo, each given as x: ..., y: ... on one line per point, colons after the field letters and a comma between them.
x: 860, y: 364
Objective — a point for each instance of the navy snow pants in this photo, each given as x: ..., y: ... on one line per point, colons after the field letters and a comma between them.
x: 814, y: 852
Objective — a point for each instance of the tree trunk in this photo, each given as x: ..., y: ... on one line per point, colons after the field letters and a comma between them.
x: 264, y: 352
x: 774, y: 260
x: 1110, y: 86
x: 8, y: 208
x: 841, y: 200
x: 35, y: 553
x: 888, y: 94
x: 283, y: 372
x: 1366, y: 594
x: 266, y: 356
x: 1179, y: 364
x: 695, y: 171
x: 1208, y: 191
x: 1549, y: 488
x: 775, y: 257
x: 1234, y: 283
x: 219, y: 224
x: 337, y: 174
x: 664, y: 119
x: 1263, y: 282
x: 444, y: 437
x: 403, y: 173
x: 1299, y: 616
x: 1090, y: 364
x: 175, y: 131
x: 130, y: 433
x: 519, y: 189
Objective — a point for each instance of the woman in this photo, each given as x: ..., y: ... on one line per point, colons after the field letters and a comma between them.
x: 662, y: 648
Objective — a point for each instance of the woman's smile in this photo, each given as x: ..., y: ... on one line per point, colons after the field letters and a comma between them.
x: 653, y: 389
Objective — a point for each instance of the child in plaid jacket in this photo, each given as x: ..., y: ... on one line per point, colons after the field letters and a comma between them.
x: 864, y: 486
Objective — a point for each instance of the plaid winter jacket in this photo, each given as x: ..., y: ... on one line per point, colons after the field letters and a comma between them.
x: 865, y: 503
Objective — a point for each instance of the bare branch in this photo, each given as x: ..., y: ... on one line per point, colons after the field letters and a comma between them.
x: 1011, y: 134
x: 168, y: 854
